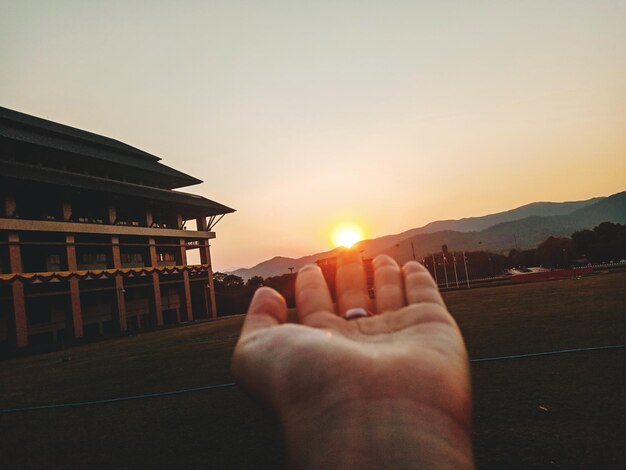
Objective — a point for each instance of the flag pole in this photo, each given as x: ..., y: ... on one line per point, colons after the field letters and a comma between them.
x: 456, y: 277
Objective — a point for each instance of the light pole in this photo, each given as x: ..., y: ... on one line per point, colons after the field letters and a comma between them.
x: 456, y: 277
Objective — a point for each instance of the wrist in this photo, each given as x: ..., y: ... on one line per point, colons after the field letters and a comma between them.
x: 383, y: 433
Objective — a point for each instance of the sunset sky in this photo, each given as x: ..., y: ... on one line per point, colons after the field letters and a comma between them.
x: 304, y: 115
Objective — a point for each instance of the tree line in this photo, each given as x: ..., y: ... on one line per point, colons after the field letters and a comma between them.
x: 605, y: 242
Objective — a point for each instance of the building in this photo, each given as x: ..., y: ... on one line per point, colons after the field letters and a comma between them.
x: 93, y: 237
x: 329, y: 271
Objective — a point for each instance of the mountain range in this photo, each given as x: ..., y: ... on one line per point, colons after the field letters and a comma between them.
x: 523, y: 228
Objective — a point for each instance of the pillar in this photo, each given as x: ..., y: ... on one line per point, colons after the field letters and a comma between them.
x: 9, y: 206
x: 205, y: 258
x: 19, y: 323
x: 75, y: 308
x: 186, y: 285
x: 67, y: 211
x: 112, y: 214
x: 156, y: 283
x: 120, y: 302
x: 15, y: 255
x: 183, y: 252
x: 115, y: 252
x: 201, y: 224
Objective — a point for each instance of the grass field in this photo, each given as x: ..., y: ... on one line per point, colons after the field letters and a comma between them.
x: 559, y: 411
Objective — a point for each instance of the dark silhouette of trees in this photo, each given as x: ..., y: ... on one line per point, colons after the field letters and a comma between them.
x: 486, y: 264
x: 231, y: 294
x: 605, y: 242
x: 286, y: 285
x: 522, y: 259
x: 556, y: 252
x: 254, y: 282
x: 480, y: 264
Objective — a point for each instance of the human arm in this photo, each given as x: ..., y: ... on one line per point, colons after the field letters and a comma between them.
x: 390, y: 390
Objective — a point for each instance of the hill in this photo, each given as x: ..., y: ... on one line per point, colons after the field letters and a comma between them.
x: 524, y: 233
x: 541, y: 209
x: 523, y: 227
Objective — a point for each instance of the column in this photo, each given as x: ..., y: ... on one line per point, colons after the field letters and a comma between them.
x: 119, y: 284
x: 115, y: 252
x: 9, y: 206
x: 67, y: 211
x: 158, y: 308
x: 186, y: 285
x: 77, y: 314
x: 112, y: 215
x: 19, y: 323
x: 20, y: 333
x: 205, y: 258
x: 120, y: 302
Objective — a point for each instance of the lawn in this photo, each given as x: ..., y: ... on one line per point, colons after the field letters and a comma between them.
x: 557, y: 411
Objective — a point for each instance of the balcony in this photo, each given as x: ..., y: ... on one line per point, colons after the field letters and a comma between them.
x: 97, y: 228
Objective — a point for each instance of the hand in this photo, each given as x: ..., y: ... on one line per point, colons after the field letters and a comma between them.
x: 385, y: 391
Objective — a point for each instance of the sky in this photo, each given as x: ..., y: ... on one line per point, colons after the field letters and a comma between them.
x: 304, y: 115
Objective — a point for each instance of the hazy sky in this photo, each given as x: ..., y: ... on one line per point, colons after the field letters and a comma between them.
x: 301, y: 115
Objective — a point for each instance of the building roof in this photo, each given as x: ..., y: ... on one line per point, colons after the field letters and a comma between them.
x: 23, y: 131
x: 192, y: 205
x: 24, y: 128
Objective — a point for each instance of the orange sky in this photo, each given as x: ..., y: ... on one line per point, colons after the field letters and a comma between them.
x: 302, y: 117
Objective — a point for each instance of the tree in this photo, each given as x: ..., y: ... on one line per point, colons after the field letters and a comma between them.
x: 233, y: 282
x: 284, y: 284
x: 254, y: 282
x: 605, y: 242
x: 556, y: 252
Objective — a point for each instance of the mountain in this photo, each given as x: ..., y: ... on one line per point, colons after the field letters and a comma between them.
x: 279, y: 265
x: 524, y: 233
x: 542, y: 209
x: 524, y: 227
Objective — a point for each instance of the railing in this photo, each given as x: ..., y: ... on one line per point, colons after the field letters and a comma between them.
x: 87, y: 267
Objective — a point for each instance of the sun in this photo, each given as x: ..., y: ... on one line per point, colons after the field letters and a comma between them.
x: 347, y: 234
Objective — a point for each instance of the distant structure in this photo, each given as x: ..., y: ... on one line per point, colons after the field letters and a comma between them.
x: 329, y: 268
x: 93, y: 239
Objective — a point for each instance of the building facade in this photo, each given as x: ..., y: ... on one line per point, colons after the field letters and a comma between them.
x: 93, y: 238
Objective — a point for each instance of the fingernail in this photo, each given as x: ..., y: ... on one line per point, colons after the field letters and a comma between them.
x: 309, y: 267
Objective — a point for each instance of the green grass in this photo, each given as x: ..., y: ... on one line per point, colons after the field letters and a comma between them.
x: 584, y: 425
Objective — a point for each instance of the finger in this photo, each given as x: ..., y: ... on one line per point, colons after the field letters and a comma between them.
x: 267, y: 308
x: 388, y: 284
x: 312, y: 294
x: 419, y: 285
x: 351, y: 282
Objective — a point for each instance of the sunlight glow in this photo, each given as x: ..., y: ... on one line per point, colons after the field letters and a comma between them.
x: 347, y: 235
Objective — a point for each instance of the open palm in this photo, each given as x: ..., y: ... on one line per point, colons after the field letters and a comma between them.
x: 407, y: 361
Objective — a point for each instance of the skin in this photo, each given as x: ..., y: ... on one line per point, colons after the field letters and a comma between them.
x: 391, y: 390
